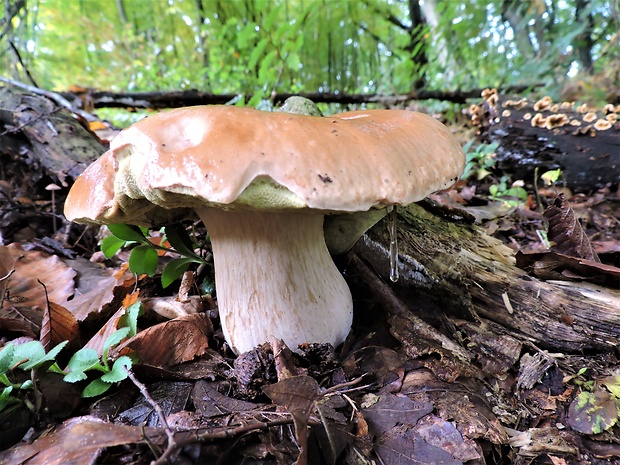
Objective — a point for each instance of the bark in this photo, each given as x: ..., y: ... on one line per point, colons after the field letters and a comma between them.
x: 472, y: 276
x: 512, y: 12
x: 44, y: 135
x: 584, y: 43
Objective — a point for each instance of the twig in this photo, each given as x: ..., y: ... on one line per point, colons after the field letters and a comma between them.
x: 13, y: 130
x: 21, y: 62
x: 160, y: 413
x: 220, y: 433
x: 339, y: 387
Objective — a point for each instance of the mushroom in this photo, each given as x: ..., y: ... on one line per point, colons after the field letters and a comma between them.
x: 262, y: 183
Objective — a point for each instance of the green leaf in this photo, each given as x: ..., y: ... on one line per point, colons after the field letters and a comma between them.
x: 113, y: 339
x: 6, y: 399
x: 118, y: 371
x: 4, y: 379
x: 143, y: 260
x: 6, y: 357
x: 266, y: 72
x: 74, y: 377
x: 131, y: 318
x: 272, y: 16
x: 50, y: 356
x: 283, y: 31
x: 110, y: 245
x: 299, y: 42
x: 54, y: 368
x: 551, y: 177
x: 612, y: 383
x: 181, y: 241
x: 95, y: 388
x: 246, y: 34
x: 174, y: 270
x: 127, y: 232
x: 30, y: 351
x: 592, y: 412
x: 257, y: 52
x: 83, y: 360
x: 293, y: 61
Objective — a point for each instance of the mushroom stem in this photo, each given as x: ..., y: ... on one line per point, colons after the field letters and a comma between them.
x: 276, y: 278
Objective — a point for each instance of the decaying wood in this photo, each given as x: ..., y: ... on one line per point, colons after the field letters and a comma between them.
x: 37, y: 131
x: 584, y: 143
x: 473, y: 277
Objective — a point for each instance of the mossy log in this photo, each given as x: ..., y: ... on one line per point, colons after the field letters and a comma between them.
x: 472, y: 276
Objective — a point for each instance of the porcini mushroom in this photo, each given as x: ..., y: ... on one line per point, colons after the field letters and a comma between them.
x: 262, y: 183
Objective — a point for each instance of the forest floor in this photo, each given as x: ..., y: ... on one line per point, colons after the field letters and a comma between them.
x: 383, y: 397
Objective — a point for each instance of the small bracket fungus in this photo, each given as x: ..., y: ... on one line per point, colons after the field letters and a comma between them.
x: 262, y: 183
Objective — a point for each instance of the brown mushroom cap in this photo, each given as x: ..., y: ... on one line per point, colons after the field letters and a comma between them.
x: 161, y: 168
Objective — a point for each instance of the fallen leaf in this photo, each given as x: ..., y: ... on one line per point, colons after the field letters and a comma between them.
x: 172, y: 397
x: 78, y: 441
x: 391, y: 410
x: 58, y: 325
x: 171, y: 342
x: 23, y: 298
x: 554, y: 265
x: 209, y: 402
x: 593, y: 412
x: 298, y: 395
x: 402, y: 445
x: 566, y: 232
x: 443, y: 434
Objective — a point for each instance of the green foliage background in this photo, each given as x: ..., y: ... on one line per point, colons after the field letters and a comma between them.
x: 256, y: 47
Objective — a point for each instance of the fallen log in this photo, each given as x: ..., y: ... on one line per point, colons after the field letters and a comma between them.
x: 473, y: 276
x: 541, y: 136
x: 92, y: 98
x: 43, y: 135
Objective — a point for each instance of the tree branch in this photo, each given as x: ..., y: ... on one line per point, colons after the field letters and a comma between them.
x: 175, y: 99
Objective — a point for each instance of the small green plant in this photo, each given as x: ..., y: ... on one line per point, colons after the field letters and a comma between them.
x: 87, y: 359
x: 32, y: 355
x: 513, y: 195
x: 28, y: 356
x: 551, y: 177
x: 479, y: 160
x: 144, y: 257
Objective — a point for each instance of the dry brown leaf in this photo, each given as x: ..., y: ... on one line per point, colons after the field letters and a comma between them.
x: 58, y: 325
x: 110, y: 291
x: 131, y: 299
x: 444, y: 435
x: 78, y: 440
x: 23, y: 297
x: 96, y: 342
x: 298, y: 395
x: 566, y: 232
x: 553, y: 265
x: 171, y: 342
